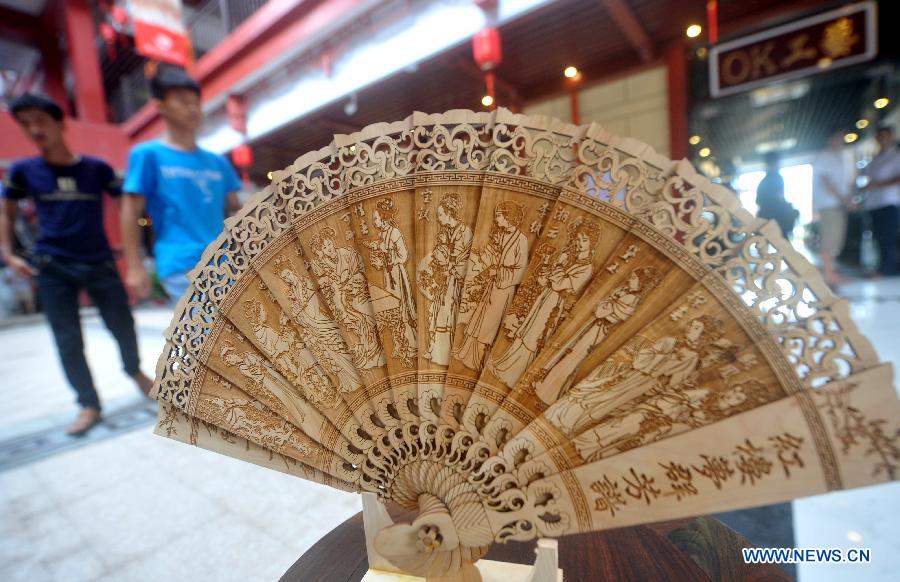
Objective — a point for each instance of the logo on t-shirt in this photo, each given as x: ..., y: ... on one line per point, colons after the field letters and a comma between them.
x: 66, y: 190
x: 201, y: 178
x: 66, y: 184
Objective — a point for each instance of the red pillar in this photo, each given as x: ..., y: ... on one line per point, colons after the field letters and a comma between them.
x: 676, y: 67
x: 80, y: 33
x: 53, y: 70
x: 574, y: 111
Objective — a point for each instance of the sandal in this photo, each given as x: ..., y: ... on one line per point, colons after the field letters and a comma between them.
x: 85, y: 421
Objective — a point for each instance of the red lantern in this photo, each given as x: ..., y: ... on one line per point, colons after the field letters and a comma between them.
x: 712, y: 21
x: 242, y: 156
x: 486, y: 48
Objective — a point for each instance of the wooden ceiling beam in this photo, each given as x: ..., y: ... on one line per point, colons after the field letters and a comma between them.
x: 631, y: 27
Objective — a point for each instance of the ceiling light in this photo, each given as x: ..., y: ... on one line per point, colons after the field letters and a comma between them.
x: 693, y: 31
x: 862, y: 124
x: 704, y: 152
x: 487, y: 100
x: 881, y: 102
x: 694, y: 140
x: 269, y: 175
x: 570, y: 72
x: 850, y: 137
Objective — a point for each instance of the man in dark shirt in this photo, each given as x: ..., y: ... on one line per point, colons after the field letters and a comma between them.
x: 72, y: 253
x: 770, y: 198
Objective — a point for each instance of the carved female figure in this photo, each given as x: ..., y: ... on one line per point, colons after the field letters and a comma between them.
x: 558, y: 282
x: 322, y: 336
x: 444, y: 272
x: 668, y: 413
x: 667, y: 364
x: 342, y: 281
x: 615, y: 308
x: 499, y: 268
x: 389, y: 255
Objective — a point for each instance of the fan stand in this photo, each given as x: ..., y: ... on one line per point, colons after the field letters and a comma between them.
x: 376, y: 517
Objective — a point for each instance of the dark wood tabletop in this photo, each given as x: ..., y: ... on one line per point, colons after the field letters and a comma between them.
x: 700, y: 549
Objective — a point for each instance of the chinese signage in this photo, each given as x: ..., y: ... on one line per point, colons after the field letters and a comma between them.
x: 159, y: 31
x: 832, y: 39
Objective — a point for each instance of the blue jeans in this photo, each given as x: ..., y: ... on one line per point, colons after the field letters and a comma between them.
x: 884, y: 229
x: 59, y: 282
x: 175, y: 285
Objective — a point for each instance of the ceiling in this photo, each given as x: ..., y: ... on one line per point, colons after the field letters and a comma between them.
x: 536, y: 48
x: 30, y: 7
x: 738, y: 129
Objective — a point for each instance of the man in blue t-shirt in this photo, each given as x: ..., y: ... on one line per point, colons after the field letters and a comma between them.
x: 184, y: 188
x: 72, y: 253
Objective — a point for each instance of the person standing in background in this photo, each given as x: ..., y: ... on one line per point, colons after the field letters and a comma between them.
x: 832, y: 197
x: 883, y: 199
x: 72, y: 253
x: 770, y: 198
x: 184, y: 188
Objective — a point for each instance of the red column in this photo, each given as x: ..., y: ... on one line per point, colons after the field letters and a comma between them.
x: 89, y: 98
x: 676, y: 66
x: 574, y: 111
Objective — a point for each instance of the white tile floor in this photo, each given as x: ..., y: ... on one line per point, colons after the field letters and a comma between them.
x: 143, y: 508
x: 139, y: 507
x: 864, y: 517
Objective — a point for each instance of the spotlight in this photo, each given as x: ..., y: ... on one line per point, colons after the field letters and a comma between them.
x: 693, y: 31
x: 862, y: 124
x: 850, y: 137
x: 269, y: 175
x: 881, y: 102
x: 487, y: 100
x: 570, y: 72
x: 704, y: 152
x: 694, y: 140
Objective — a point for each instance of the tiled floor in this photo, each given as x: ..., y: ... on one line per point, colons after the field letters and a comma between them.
x: 141, y: 508
x: 864, y: 517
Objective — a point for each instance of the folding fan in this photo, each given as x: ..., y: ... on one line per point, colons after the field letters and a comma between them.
x: 520, y: 328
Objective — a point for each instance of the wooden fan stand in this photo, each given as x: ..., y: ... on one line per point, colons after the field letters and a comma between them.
x: 376, y: 517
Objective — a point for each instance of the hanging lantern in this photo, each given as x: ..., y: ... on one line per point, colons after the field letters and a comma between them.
x: 712, y: 20
x: 488, y: 54
x: 486, y: 48
x: 242, y: 156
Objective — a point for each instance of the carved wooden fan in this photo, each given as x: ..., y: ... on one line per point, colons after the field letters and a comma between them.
x: 522, y: 328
